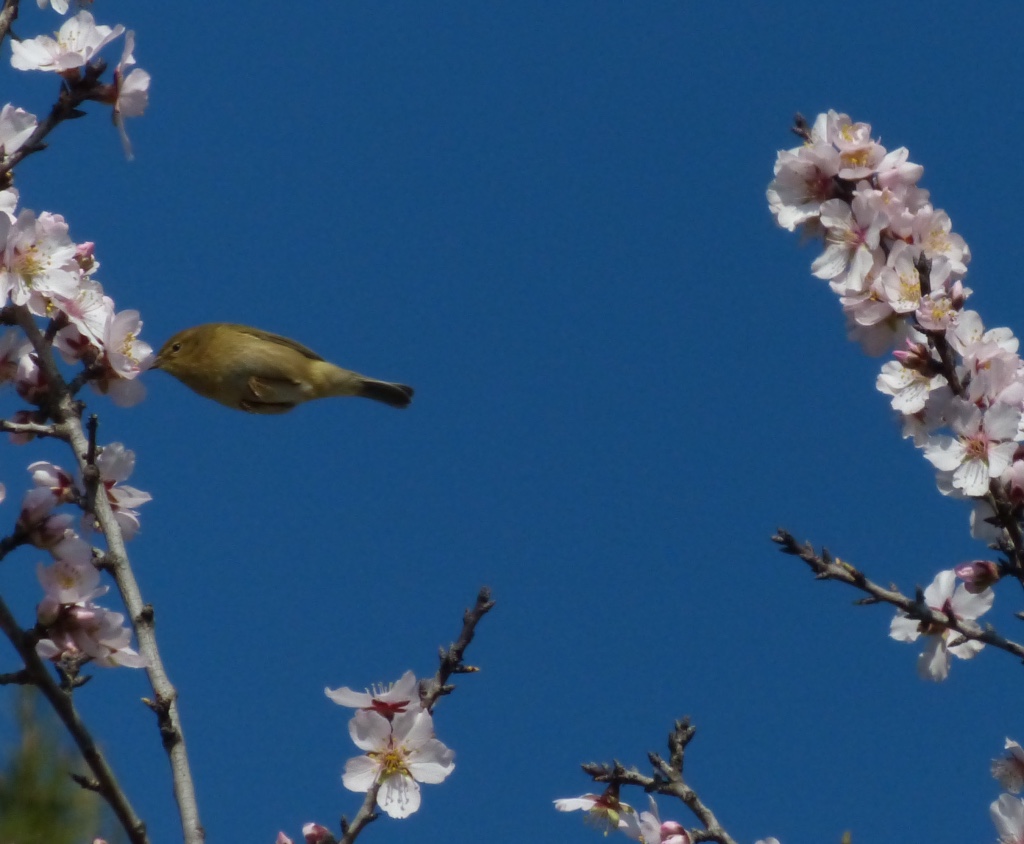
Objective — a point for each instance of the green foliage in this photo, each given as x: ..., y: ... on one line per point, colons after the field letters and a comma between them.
x: 39, y: 802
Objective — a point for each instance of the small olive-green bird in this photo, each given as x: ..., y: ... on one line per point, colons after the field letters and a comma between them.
x: 260, y: 372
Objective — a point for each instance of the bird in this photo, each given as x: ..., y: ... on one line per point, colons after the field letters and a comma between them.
x: 253, y: 370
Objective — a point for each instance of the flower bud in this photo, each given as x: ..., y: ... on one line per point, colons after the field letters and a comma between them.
x: 977, y: 575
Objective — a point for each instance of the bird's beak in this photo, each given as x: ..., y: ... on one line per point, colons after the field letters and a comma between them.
x: 156, y: 363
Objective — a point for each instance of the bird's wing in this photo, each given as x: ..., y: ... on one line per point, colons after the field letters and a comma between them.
x: 260, y: 334
x: 272, y: 395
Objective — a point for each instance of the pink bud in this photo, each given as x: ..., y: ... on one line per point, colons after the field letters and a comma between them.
x: 316, y: 834
x: 977, y: 575
x: 672, y: 832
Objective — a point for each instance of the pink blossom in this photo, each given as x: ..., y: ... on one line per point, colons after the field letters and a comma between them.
x: 899, y: 279
x: 400, y: 696
x: 934, y: 661
x: 74, y: 625
x: 36, y: 506
x: 605, y: 812
x: 89, y: 630
x: 127, y: 355
x: 8, y: 203
x: 77, y: 41
x: 131, y: 91
x: 88, y: 312
x: 651, y: 830
x: 981, y: 449
x: 30, y: 380
x: 116, y: 464
x: 804, y: 179
x: 52, y: 477
x: 909, y: 388
x: 16, y: 126
x: 400, y: 754
x: 13, y: 345
x: 933, y: 231
x: 66, y: 582
x: 852, y: 234
x: 36, y: 261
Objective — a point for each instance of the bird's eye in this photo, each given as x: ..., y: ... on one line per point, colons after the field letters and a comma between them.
x: 176, y: 347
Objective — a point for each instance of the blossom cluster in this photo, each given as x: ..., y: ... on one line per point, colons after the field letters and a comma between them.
x: 898, y: 269
x: 396, y: 733
x: 43, y: 270
x: 41, y: 267
x: 73, y: 55
x: 72, y: 625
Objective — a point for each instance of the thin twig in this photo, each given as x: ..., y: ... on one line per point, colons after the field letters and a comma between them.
x: 105, y: 782
x: 34, y: 428
x: 827, y: 567
x: 68, y: 424
x: 72, y: 94
x: 451, y: 658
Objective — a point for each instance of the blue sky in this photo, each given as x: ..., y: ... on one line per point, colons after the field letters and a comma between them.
x: 549, y: 219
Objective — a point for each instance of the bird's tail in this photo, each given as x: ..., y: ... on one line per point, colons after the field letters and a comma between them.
x: 330, y: 380
x: 396, y: 395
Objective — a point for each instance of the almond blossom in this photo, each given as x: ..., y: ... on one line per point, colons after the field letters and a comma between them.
x: 76, y: 627
x: 982, y: 448
x: 652, y: 831
x: 400, y: 753
x: 36, y: 261
x: 77, y: 41
x: 401, y: 696
x: 131, y: 91
x: 852, y: 232
x: 934, y: 661
x: 16, y: 127
x: 909, y: 388
x: 116, y: 464
x: 605, y: 812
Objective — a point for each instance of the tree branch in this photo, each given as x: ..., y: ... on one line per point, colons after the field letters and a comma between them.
x: 34, y: 428
x: 65, y: 413
x: 668, y: 780
x: 451, y: 658
x: 827, y: 567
